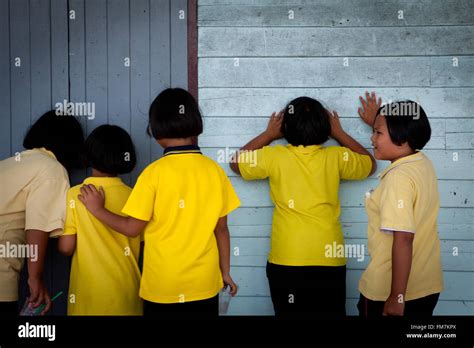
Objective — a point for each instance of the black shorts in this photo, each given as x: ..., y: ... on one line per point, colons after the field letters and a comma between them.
x: 307, y: 291
x: 421, y: 307
x: 208, y: 308
x: 8, y: 309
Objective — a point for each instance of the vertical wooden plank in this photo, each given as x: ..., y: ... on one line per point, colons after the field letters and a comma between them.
x: 118, y: 33
x: 59, y: 52
x: 20, y: 72
x: 192, y: 48
x: 140, y: 82
x: 96, y: 61
x: 5, y: 116
x: 40, y: 23
x: 179, y: 43
x: 77, y: 66
x: 160, y: 58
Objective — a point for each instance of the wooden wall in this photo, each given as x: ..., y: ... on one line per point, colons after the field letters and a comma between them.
x: 253, y: 59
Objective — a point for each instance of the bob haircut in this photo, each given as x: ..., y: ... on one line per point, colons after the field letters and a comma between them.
x: 110, y: 150
x: 305, y: 122
x: 62, y: 135
x: 174, y: 114
x: 407, y: 122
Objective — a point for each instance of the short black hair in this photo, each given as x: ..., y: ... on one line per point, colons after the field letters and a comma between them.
x: 174, y: 114
x: 62, y: 135
x: 407, y: 122
x: 110, y: 150
x: 305, y: 122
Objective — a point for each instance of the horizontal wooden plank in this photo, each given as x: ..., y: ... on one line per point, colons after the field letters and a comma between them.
x: 455, y: 164
x: 452, y: 71
x: 262, y: 305
x: 453, y: 193
x: 334, y: 13
x: 255, y: 216
x: 319, y: 72
x: 456, y: 255
x: 460, y: 125
x: 319, y: 42
x: 253, y: 281
x: 251, y: 102
x: 459, y: 140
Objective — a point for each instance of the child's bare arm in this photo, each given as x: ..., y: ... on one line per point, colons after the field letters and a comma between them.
x: 67, y: 244
x: 94, y: 201
x: 223, y: 244
x: 272, y: 132
x: 402, y: 250
x: 344, y: 139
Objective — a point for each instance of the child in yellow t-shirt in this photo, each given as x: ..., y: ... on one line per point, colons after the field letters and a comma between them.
x: 181, y: 202
x: 404, y: 276
x: 306, y: 274
x: 105, y: 276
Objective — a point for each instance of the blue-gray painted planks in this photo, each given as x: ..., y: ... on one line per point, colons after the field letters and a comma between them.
x: 160, y: 56
x: 40, y: 31
x: 20, y: 72
x: 59, y: 52
x: 5, y: 64
x: 140, y: 82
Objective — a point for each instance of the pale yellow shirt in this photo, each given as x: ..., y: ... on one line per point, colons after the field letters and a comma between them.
x: 33, y: 188
x: 407, y: 200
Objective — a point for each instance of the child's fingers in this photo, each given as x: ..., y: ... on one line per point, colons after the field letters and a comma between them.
x: 81, y: 198
x: 92, y: 188
x: 85, y: 190
x: 101, y: 191
x: 362, y: 101
x: 360, y: 113
x: 379, y: 102
x: 233, y: 289
x: 373, y: 99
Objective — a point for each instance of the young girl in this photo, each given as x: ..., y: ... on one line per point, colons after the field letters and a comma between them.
x: 33, y: 187
x: 105, y: 276
x: 404, y: 276
x: 181, y: 201
x: 304, y: 279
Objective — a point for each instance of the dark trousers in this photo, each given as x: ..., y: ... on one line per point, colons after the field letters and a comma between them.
x: 8, y: 309
x: 208, y: 308
x: 421, y: 307
x: 307, y: 291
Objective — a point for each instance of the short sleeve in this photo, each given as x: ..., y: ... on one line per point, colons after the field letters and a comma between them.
x: 230, y: 200
x: 352, y: 165
x: 45, y: 208
x: 396, y: 203
x: 141, y: 202
x: 253, y: 165
x: 70, y: 226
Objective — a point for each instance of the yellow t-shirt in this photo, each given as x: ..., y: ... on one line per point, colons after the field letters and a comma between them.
x: 407, y: 200
x: 182, y: 196
x: 105, y: 276
x: 304, y: 186
x: 33, y: 188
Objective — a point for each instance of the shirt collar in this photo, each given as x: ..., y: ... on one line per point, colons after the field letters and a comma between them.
x: 103, y: 181
x: 175, y: 150
x: 304, y: 149
x: 49, y: 153
x: 407, y: 159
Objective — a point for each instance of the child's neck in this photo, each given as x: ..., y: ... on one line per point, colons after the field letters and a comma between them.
x: 99, y: 174
x: 172, y: 142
